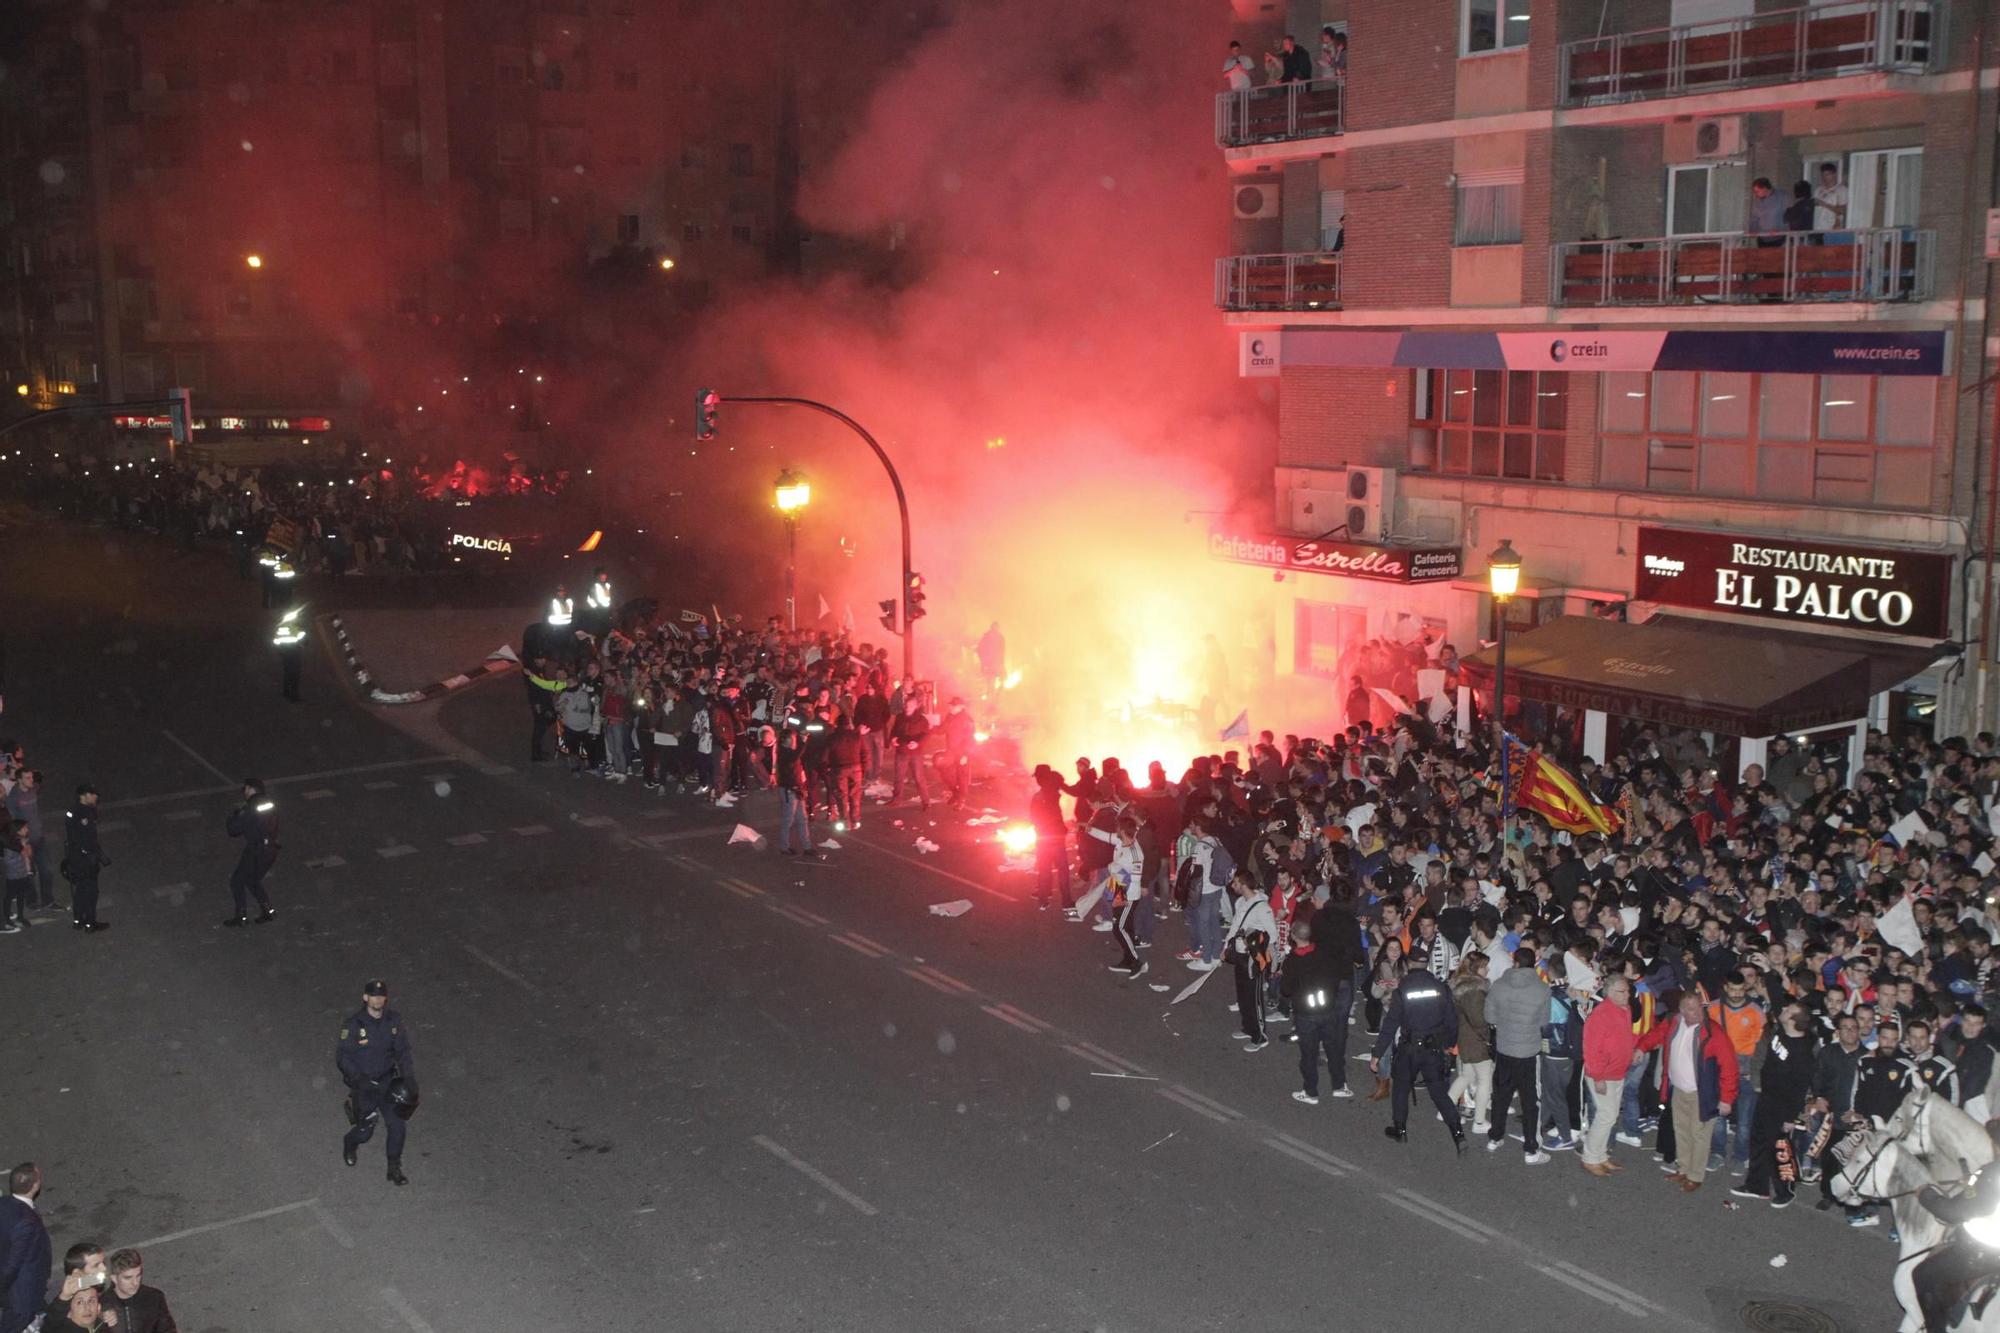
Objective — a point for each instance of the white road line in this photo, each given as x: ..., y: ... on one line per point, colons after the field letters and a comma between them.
x: 1306, y: 1159
x: 798, y: 914
x: 930, y: 981
x: 1434, y: 1219
x: 1612, y: 1287
x: 333, y: 1228
x: 382, y: 785
x: 177, y: 816
x: 973, y: 884
x: 816, y: 1176
x: 392, y: 852
x: 947, y: 980
x: 658, y: 840
x: 1116, y: 1059
x: 180, y: 890
x: 395, y: 1301
x: 1101, y: 1063
x: 466, y: 839
x: 1210, y: 1102
x: 742, y: 888
x: 854, y: 942
x: 439, y: 777
x: 189, y: 751
x: 1596, y: 1293
x: 1319, y: 1152
x: 687, y: 863
x: 326, y: 863
x: 204, y: 1229
x: 291, y: 780
x: 316, y: 794
x: 1194, y: 1106
x: 1021, y: 1015
x: 505, y: 971
x: 595, y: 821
x: 533, y: 830
x: 1435, y: 1206
x: 1009, y: 1019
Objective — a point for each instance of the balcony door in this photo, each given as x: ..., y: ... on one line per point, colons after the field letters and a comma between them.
x: 1704, y: 198
x: 1883, y: 187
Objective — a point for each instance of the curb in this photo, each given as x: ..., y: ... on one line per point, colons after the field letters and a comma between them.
x: 499, y: 660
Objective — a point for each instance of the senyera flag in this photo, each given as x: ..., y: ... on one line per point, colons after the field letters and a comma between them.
x: 1539, y: 783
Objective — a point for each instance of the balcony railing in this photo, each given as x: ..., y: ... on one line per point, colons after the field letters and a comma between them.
x: 1881, y: 264
x: 1782, y: 46
x: 1280, y: 111
x: 1308, y: 281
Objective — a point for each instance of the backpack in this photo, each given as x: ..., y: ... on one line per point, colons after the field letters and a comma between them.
x: 1221, y: 866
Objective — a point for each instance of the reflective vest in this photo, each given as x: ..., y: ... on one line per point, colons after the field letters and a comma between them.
x: 600, y: 595
x: 561, y: 609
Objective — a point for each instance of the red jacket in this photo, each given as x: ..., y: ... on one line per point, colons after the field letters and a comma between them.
x: 1608, y: 1042
x: 1715, y: 1063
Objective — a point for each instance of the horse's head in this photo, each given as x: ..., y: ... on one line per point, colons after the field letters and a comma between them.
x: 1867, y: 1158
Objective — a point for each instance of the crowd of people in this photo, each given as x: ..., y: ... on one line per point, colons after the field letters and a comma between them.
x: 93, y: 1292
x: 1724, y: 976
x: 708, y: 708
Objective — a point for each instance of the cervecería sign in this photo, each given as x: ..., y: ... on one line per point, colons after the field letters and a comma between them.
x: 1384, y: 564
x: 1853, y: 587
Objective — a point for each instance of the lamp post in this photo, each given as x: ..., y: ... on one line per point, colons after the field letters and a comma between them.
x: 1503, y: 578
x: 792, y: 493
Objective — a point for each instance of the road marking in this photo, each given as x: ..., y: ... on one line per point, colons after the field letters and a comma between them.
x: 658, y: 840
x: 189, y: 751
x: 596, y: 821
x: 930, y: 981
x: 177, y: 816
x: 207, y: 1227
x: 533, y: 830
x: 292, y: 780
x: 316, y: 794
x: 741, y: 888
x: 466, y: 839
x: 392, y: 852
x: 1009, y: 1019
x: 439, y: 777
x: 1632, y: 1297
x: 942, y: 980
x: 1304, y: 1158
x: 1118, y: 1061
x: 1433, y: 1218
x: 382, y: 785
x: 176, y: 891
x: 687, y: 863
x: 1192, y: 1105
x: 505, y: 971
x: 396, y: 1302
x: 1603, y: 1293
x: 1226, y: 1112
x: 333, y: 1228
x: 326, y: 863
x: 1460, y: 1218
x: 1088, y: 1058
x: 856, y: 943
x: 798, y: 914
x: 974, y: 884
x: 1319, y: 1152
x: 816, y: 1176
x: 1022, y: 1016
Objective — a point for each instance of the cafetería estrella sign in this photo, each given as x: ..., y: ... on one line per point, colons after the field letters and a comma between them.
x: 1852, y: 587
x: 1383, y: 564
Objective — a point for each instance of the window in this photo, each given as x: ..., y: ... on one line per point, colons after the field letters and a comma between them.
x: 1705, y: 197
x: 1490, y: 423
x: 1882, y: 187
x: 742, y: 159
x: 1489, y: 211
x: 1810, y: 439
x: 1492, y: 25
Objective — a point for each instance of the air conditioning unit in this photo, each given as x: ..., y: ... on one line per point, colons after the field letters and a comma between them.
x: 1257, y: 201
x: 1316, y: 512
x: 1371, y: 503
x: 1719, y: 136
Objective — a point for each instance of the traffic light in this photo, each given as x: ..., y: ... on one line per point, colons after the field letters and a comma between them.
x: 888, y: 616
x: 706, y: 403
x: 913, y: 600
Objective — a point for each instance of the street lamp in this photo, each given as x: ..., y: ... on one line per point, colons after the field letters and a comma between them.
x: 1503, y: 578
x: 792, y: 493
x: 253, y: 261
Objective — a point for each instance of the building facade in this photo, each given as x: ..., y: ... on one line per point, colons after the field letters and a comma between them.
x: 1515, y: 274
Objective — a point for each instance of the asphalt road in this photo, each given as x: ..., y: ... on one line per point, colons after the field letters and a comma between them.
x: 678, y: 1084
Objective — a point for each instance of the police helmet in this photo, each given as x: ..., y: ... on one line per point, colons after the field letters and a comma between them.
x: 402, y: 1096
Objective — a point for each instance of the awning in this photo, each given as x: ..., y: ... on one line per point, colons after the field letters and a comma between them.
x: 1740, y: 680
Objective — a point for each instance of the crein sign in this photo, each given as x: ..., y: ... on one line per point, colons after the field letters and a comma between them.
x: 499, y: 544
x: 1259, y: 353
x: 1852, y: 587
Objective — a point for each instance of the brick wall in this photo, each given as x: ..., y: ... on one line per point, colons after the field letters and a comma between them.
x: 1331, y: 417
x: 1402, y: 62
x: 1399, y: 226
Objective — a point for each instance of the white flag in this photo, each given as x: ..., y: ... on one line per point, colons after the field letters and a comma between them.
x: 1239, y: 728
x: 1898, y: 926
x: 825, y: 609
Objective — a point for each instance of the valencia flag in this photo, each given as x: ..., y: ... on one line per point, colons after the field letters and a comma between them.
x: 1540, y: 784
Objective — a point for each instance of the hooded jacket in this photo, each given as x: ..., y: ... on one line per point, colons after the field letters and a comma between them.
x: 1517, y: 1005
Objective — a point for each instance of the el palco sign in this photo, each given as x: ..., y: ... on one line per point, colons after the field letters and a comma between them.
x: 1853, y: 587
x: 1383, y: 564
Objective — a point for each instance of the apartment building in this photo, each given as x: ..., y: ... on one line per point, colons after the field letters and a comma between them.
x: 1514, y: 280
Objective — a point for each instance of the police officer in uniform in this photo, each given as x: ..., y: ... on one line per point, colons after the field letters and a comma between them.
x: 290, y: 641
x: 381, y: 1075
x: 82, y: 859
x: 256, y: 822
x: 1422, y: 1014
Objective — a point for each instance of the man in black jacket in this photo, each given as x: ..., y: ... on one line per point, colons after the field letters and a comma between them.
x: 908, y: 734
x: 140, y: 1308
x: 1782, y: 1090
x: 82, y: 859
x: 1319, y: 983
x: 256, y: 822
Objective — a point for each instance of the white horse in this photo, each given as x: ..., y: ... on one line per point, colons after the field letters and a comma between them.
x: 1928, y: 1141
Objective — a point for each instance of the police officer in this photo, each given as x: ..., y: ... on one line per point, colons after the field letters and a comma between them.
x: 1422, y: 1013
x: 256, y: 822
x: 82, y: 859
x: 290, y: 642
x: 374, y: 1059
x: 597, y: 603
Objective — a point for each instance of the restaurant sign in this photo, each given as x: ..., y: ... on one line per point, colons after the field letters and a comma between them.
x: 1383, y: 564
x: 1780, y: 578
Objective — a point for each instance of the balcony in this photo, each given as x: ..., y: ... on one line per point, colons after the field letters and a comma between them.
x: 1782, y: 46
x: 1308, y: 281
x: 1280, y: 111
x: 1882, y: 264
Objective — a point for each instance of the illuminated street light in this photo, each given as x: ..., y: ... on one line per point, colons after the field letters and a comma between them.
x: 21, y: 389
x: 1503, y: 578
x: 666, y: 265
x: 792, y: 493
x: 254, y: 260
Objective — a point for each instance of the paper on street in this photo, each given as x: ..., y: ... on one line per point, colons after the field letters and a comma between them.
x: 958, y: 908
x: 986, y: 819
x: 744, y: 833
x: 1195, y: 985
x: 926, y: 846
x: 830, y: 845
